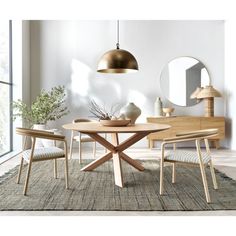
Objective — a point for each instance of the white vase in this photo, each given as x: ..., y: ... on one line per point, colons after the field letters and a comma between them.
x: 131, y: 111
x: 158, y: 107
x: 38, y: 142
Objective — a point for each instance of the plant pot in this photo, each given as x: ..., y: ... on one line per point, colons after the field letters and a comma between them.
x: 51, y: 143
x: 39, y: 142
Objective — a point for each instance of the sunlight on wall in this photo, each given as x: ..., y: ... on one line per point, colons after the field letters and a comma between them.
x: 85, y: 86
x: 136, y: 97
x: 204, y: 77
x: 80, y: 78
x: 106, y: 90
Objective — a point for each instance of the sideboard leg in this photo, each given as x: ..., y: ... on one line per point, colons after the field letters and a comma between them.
x: 151, y: 142
x: 217, y: 143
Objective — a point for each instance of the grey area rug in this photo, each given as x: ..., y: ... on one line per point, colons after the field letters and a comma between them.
x: 95, y: 190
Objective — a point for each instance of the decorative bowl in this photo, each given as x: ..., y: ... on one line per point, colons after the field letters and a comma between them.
x: 168, y: 110
x: 114, y: 123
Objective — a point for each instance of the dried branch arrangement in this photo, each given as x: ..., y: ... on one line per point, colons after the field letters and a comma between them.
x: 101, y: 112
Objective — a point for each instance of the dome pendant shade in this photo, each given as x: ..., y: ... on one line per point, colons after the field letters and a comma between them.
x: 117, y: 61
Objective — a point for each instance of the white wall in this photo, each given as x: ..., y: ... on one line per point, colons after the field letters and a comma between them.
x: 230, y: 83
x: 67, y: 52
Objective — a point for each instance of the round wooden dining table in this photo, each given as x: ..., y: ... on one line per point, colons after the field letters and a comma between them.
x: 115, y: 149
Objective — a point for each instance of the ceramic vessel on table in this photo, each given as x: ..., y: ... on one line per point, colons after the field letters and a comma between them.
x: 131, y: 112
x: 115, y: 123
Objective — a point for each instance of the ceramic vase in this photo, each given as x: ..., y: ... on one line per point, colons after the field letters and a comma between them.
x: 131, y: 111
x: 158, y: 107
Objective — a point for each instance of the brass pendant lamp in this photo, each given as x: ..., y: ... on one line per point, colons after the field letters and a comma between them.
x: 117, y: 60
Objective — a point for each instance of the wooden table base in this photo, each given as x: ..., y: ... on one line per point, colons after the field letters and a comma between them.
x: 116, y: 152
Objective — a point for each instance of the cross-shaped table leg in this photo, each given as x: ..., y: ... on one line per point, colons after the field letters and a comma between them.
x: 116, y: 152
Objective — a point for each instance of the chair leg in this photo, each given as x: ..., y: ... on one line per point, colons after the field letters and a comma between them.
x: 66, y: 166
x: 94, y: 149
x: 66, y: 173
x: 27, y: 178
x: 203, y: 173
x: 161, y: 176
x: 204, y: 180
x: 29, y: 166
x: 71, y: 144
x: 55, y: 168
x: 173, y: 173
x: 20, y: 170
x: 80, y: 149
x: 22, y: 160
x: 211, y: 165
x: 80, y: 152
x: 213, y: 175
x: 161, y: 169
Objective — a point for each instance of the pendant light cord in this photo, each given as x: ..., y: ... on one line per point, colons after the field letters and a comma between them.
x: 118, y: 35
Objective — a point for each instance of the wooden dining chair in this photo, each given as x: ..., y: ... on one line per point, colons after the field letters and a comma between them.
x: 82, y: 138
x: 41, y: 154
x: 196, y: 158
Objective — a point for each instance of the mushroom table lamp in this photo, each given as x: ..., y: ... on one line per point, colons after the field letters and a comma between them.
x: 208, y: 93
x: 195, y: 93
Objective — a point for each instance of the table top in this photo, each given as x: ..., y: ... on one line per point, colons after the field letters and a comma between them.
x: 96, y: 127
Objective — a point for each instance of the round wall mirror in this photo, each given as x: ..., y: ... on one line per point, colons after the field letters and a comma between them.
x: 181, y: 77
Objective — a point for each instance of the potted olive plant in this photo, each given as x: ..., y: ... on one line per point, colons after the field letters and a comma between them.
x: 48, y: 106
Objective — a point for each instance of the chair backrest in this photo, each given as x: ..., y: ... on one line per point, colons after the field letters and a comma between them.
x: 82, y: 120
x: 195, y: 134
x: 38, y: 134
x: 198, y: 133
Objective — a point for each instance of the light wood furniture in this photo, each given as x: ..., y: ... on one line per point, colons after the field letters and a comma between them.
x: 41, y: 154
x: 197, y: 158
x: 187, y: 123
x: 116, y: 149
x: 208, y: 94
x: 80, y: 138
x: 167, y: 111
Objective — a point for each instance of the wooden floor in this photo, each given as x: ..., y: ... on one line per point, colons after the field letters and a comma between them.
x: 223, y: 159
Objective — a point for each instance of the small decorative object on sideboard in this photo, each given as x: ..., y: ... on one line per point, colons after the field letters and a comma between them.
x: 158, y: 107
x: 131, y: 112
x: 168, y: 110
x: 208, y: 93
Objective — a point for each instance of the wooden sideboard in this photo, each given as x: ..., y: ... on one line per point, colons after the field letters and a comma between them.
x: 187, y: 123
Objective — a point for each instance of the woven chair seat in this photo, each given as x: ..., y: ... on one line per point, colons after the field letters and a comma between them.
x: 187, y: 156
x: 42, y: 153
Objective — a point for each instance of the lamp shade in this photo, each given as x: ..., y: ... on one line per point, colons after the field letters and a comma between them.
x: 208, y: 92
x: 195, y: 93
x: 117, y: 61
